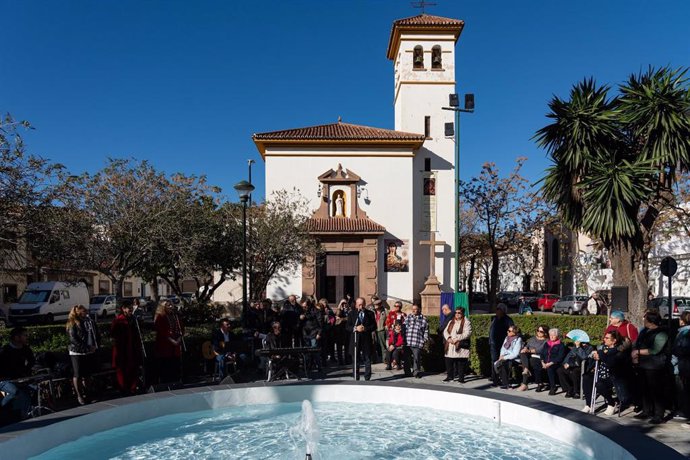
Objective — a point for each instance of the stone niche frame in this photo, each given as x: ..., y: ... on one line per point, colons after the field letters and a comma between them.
x: 342, y: 179
x: 353, y: 233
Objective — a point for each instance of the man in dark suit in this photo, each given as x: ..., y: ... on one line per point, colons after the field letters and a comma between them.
x: 361, y: 322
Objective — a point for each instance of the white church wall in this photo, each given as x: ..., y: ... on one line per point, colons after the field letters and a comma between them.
x: 674, y: 242
x: 414, y: 103
x: 419, y: 93
x: 386, y: 197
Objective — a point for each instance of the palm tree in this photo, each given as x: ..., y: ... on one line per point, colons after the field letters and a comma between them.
x: 615, y: 163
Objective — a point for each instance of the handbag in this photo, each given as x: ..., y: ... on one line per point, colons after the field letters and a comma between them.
x: 463, y: 344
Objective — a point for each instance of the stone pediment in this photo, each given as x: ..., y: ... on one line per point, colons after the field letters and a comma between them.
x: 340, y: 189
x: 343, y: 176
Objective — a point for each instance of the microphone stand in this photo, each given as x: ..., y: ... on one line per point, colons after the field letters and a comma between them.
x: 184, y: 346
x: 143, y: 351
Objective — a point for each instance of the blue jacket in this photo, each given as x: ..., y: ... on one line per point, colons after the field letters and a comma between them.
x: 513, y: 352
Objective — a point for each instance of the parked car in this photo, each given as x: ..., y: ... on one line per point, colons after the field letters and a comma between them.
x: 680, y: 304
x: 510, y: 298
x: 545, y: 302
x: 47, y: 301
x: 479, y: 297
x: 103, y: 305
x: 572, y: 304
x: 143, y: 301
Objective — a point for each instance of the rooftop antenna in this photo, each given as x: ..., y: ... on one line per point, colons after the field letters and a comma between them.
x: 422, y: 5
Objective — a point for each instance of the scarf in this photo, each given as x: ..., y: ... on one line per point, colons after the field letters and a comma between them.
x: 451, y: 323
x: 509, y: 342
x: 552, y: 344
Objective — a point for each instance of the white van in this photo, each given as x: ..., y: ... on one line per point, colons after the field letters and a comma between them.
x: 48, y: 301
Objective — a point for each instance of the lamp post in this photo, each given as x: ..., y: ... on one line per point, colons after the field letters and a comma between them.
x: 244, y: 190
x: 469, y: 108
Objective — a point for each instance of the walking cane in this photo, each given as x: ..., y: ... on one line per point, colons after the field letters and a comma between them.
x: 354, y: 358
x: 594, y: 386
x: 141, y: 337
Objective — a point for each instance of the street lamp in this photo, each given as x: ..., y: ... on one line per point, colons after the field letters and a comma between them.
x: 453, y: 102
x: 244, y: 190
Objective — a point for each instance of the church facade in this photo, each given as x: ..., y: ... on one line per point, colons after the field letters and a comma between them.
x: 377, y: 195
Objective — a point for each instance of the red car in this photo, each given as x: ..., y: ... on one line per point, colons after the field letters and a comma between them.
x: 545, y: 301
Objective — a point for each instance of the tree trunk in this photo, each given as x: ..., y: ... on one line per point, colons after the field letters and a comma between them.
x: 117, y: 282
x: 469, y: 284
x: 628, y: 272
x: 493, y: 279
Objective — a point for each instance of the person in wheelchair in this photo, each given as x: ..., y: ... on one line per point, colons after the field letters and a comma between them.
x: 16, y: 362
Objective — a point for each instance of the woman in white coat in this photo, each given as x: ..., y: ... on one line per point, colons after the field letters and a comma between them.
x: 457, y: 345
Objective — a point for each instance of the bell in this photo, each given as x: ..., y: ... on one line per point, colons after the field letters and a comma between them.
x: 419, y: 59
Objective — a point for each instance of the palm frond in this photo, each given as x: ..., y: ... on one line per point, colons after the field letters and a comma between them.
x: 655, y: 104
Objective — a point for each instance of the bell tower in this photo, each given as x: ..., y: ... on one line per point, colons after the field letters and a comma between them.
x: 422, y: 49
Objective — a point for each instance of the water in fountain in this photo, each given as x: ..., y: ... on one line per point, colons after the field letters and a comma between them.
x: 306, y: 431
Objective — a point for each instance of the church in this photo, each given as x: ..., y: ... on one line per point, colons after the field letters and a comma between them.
x: 382, y: 200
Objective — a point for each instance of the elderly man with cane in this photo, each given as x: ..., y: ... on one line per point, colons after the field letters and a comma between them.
x: 361, y: 322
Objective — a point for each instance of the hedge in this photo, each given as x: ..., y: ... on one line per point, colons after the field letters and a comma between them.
x: 480, y: 358
x: 53, y: 338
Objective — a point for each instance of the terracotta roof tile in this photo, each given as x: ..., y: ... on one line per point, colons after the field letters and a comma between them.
x: 340, y: 132
x: 343, y: 225
x: 420, y: 24
x: 428, y: 20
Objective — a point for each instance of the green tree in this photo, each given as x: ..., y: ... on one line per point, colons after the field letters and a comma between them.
x: 615, y: 162
x: 36, y: 225
x: 278, y: 238
x: 131, y: 208
x: 505, y: 209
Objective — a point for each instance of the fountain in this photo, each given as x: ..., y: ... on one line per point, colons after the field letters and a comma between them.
x: 306, y: 430
x: 250, y: 421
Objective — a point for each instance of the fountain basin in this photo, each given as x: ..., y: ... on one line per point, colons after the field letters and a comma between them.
x: 593, y: 436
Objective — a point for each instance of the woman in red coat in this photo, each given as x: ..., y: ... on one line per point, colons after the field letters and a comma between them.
x: 396, y: 344
x: 127, y: 349
x: 169, y: 341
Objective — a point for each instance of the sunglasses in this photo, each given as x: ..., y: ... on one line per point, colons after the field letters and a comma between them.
x: 541, y: 330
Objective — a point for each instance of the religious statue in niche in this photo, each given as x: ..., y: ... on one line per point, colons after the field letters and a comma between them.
x: 396, y: 256
x: 339, y: 204
x: 429, y: 186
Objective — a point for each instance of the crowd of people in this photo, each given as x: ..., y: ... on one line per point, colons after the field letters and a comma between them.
x: 642, y: 372
x: 352, y: 332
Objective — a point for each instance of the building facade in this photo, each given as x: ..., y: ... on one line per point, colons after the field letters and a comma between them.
x: 377, y: 195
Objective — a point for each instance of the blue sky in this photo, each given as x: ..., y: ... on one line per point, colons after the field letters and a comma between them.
x: 185, y: 84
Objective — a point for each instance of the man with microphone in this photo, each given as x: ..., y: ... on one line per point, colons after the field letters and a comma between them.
x: 361, y: 323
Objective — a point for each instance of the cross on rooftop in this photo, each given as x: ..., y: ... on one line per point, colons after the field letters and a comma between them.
x: 422, y: 4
